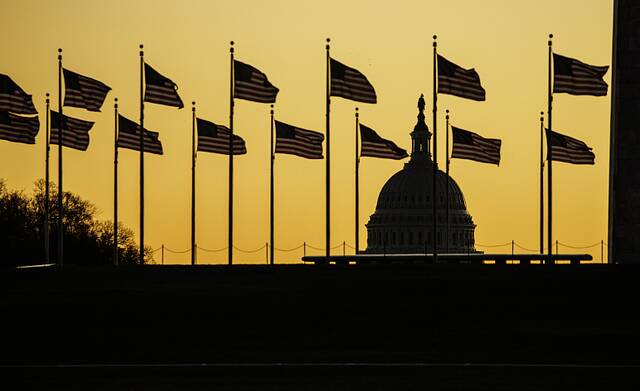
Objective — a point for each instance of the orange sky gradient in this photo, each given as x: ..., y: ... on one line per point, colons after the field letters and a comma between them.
x: 188, y: 41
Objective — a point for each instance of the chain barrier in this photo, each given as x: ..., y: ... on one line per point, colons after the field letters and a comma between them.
x: 288, y: 249
x: 250, y: 251
x: 493, y: 245
x: 344, y: 244
x: 528, y: 249
x: 579, y: 247
x: 177, y: 252
x: 212, y: 251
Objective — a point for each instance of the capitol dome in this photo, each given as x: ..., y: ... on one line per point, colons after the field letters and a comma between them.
x: 403, y: 220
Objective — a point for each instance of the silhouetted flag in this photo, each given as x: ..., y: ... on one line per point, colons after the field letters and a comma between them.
x: 455, y: 80
x: 569, y: 150
x: 577, y: 78
x: 293, y: 140
x: 18, y: 129
x: 215, y: 139
x: 13, y: 98
x: 75, y: 132
x: 251, y: 84
x: 350, y: 84
x: 84, y: 92
x: 375, y: 146
x: 471, y: 146
x: 129, y: 137
x: 159, y: 89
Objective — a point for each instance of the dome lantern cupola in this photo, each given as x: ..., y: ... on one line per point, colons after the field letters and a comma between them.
x: 421, y: 136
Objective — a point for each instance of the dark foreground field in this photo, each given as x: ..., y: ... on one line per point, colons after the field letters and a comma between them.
x: 480, y: 327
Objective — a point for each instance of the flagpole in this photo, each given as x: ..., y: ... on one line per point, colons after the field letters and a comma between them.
x: 435, y: 150
x: 447, y: 188
x: 47, y: 256
x: 60, y: 143
x: 541, y: 183
x: 231, y: 102
x: 46, y: 186
x: 549, y: 159
x: 193, y: 183
x: 328, y: 162
x: 272, y: 158
x: 141, y: 155
x: 115, y: 183
x: 357, y: 184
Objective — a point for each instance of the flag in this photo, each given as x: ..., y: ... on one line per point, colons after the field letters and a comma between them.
x: 455, y: 80
x: 375, y: 146
x: 159, y: 89
x: 251, y: 84
x: 293, y: 140
x: 129, y: 137
x: 569, y: 150
x: 75, y: 132
x: 18, y: 129
x: 350, y: 84
x: 215, y: 139
x: 83, y: 92
x: 577, y: 78
x: 13, y: 98
x: 471, y: 146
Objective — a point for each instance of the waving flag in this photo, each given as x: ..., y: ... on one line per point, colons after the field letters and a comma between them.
x: 84, y: 92
x: 577, y: 78
x: 455, y: 80
x: 129, y: 137
x: 159, y: 89
x: 75, y: 132
x: 18, y: 129
x: 13, y: 98
x: 293, y: 140
x: 471, y: 146
x: 215, y: 139
x: 251, y: 84
x: 375, y: 146
x: 349, y: 83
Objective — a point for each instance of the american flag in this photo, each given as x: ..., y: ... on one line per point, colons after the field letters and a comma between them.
x: 129, y: 137
x: 18, y: 129
x: 455, y: 80
x: 13, y: 98
x: 569, y: 150
x: 293, y: 140
x: 75, y: 132
x: 577, y: 78
x: 160, y: 89
x: 350, y: 84
x: 83, y: 92
x: 471, y: 146
x: 375, y: 146
x: 251, y: 84
x: 215, y: 139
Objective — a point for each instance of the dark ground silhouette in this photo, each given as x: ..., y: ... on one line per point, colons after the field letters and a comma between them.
x: 501, y: 319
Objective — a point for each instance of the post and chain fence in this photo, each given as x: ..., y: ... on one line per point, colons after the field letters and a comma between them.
x: 500, y: 248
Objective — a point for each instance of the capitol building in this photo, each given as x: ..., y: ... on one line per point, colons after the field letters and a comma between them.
x: 403, y: 220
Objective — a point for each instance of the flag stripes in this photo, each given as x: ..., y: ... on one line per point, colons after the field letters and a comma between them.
x: 349, y: 83
x: 293, y: 140
x: 75, y: 132
x: 13, y: 98
x: 18, y: 129
x: 129, y: 137
x: 251, y: 84
x: 455, y: 80
x: 215, y: 139
x: 372, y: 145
x: 471, y: 146
x: 568, y: 149
x: 574, y: 77
x: 159, y: 89
x: 83, y: 92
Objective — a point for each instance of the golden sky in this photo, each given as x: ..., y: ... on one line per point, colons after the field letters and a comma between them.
x: 390, y: 42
